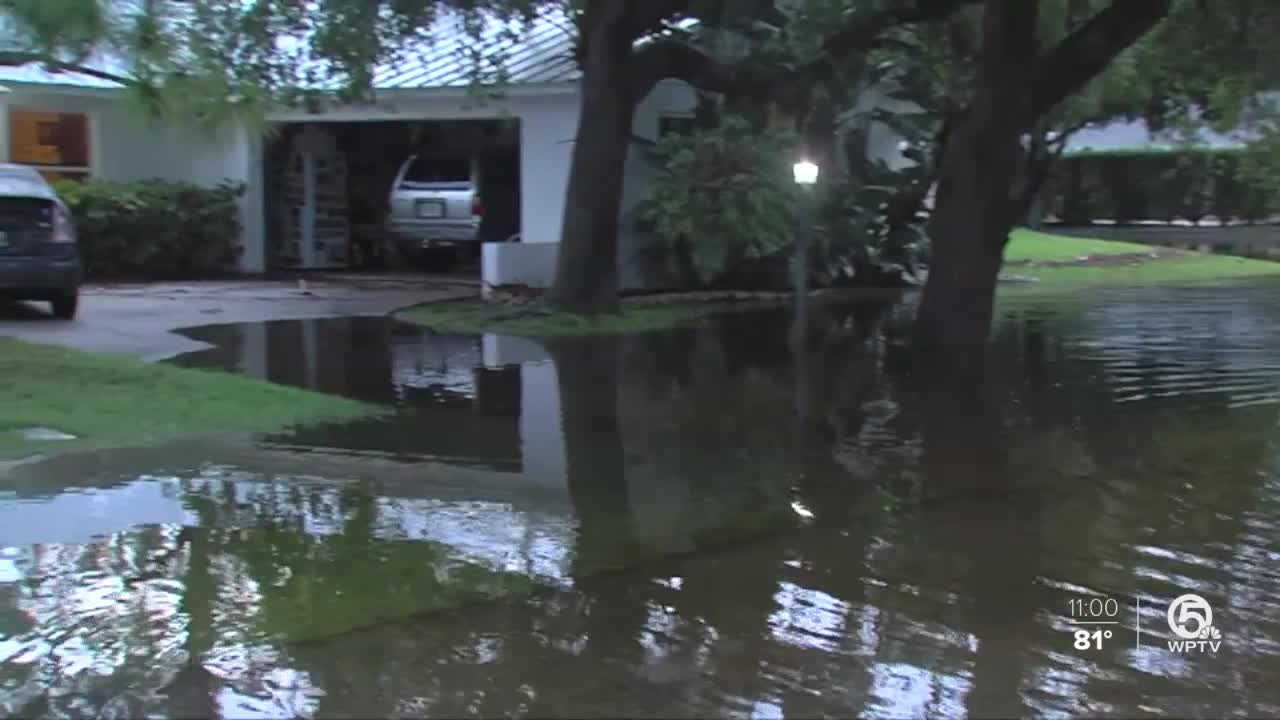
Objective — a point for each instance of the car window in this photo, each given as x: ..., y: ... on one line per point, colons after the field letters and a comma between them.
x: 439, y: 168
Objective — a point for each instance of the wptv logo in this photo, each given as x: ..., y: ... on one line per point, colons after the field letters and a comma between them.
x: 1191, y: 620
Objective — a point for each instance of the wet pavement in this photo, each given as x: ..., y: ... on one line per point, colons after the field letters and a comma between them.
x: 700, y: 522
x: 139, y: 319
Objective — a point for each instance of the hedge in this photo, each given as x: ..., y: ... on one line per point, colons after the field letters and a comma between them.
x: 1161, y: 185
x: 154, y: 229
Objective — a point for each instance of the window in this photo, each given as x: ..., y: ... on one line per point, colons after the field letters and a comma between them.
x: 56, y: 144
x: 676, y: 125
x: 439, y: 168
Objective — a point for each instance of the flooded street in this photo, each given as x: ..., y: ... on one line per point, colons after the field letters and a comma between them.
x: 702, y: 522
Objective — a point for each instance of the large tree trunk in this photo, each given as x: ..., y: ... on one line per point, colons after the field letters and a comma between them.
x: 974, y: 209
x: 587, y: 268
x: 978, y: 198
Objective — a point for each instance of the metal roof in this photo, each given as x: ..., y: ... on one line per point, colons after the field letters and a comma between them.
x: 540, y: 51
x: 36, y: 74
x: 537, y: 52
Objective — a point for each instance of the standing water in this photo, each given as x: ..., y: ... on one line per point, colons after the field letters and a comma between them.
x: 690, y: 523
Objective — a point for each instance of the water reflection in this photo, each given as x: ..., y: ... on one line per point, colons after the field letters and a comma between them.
x: 651, y: 526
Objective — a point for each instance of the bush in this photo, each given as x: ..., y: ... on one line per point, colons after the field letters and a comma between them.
x: 1164, y: 185
x: 872, y: 231
x: 154, y: 229
x: 723, y: 198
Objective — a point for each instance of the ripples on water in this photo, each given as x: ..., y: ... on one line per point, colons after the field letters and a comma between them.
x: 678, y: 524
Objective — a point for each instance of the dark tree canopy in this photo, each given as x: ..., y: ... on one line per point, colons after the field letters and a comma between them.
x: 993, y: 72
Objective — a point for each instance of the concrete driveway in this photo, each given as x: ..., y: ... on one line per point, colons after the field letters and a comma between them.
x: 139, y: 320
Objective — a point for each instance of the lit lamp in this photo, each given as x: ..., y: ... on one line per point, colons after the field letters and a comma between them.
x: 805, y: 173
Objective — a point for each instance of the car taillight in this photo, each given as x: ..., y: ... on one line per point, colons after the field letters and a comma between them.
x: 477, y: 207
x: 64, y: 231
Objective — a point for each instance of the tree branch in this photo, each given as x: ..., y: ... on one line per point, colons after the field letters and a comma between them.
x: 675, y: 59
x: 679, y: 60
x: 23, y: 58
x: 1088, y: 51
x: 864, y: 28
x: 648, y: 16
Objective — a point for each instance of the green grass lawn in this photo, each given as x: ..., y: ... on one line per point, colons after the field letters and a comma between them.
x: 1054, y: 261
x: 111, y: 400
x: 1029, y: 245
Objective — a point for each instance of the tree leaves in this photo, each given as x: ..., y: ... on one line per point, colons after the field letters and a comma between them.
x: 67, y: 30
x: 723, y: 196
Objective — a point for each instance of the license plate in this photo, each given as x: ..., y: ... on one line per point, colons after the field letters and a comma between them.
x: 430, y: 209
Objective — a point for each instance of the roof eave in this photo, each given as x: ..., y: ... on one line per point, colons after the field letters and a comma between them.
x: 14, y: 86
x: 556, y: 87
x: 384, y: 100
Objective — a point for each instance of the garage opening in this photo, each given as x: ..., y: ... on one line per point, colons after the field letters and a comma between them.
x: 391, y: 195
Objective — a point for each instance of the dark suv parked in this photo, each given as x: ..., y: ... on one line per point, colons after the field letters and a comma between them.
x: 39, y: 257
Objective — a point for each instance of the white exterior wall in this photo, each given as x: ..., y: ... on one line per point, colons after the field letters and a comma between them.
x: 123, y: 145
x: 882, y: 140
x: 549, y: 125
x: 670, y: 97
x: 126, y: 146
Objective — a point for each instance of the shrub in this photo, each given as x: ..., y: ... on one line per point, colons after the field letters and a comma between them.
x: 154, y: 229
x: 1166, y: 185
x: 723, y: 197
x: 872, y: 231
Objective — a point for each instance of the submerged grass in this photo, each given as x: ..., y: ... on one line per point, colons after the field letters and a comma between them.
x: 475, y: 316
x: 350, y: 581
x: 1053, y: 265
x: 110, y: 400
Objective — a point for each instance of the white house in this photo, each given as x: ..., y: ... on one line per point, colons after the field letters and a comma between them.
x: 79, y: 125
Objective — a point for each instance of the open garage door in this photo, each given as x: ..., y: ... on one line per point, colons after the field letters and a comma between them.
x: 392, y: 195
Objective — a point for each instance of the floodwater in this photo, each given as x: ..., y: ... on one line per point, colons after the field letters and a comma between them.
x: 709, y: 521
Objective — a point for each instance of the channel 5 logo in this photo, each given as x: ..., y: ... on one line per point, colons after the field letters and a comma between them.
x: 1191, y: 620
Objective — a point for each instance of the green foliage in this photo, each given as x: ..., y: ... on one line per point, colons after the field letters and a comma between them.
x: 934, y: 63
x: 154, y: 228
x: 723, y: 196
x: 214, y: 63
x: 872, y: 224
x: 63, y: 29
x: 1233, y: 184
x: 1208, y: 63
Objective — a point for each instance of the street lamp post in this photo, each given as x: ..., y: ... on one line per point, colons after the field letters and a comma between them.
x: 806, y: 176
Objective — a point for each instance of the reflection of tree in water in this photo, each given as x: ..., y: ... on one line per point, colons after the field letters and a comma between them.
x: 98, y: 630
x: 951, y: 593
x: 322, y: 567
x: 668, y: 463
x: 1028, y: 473
x: 177, y: 620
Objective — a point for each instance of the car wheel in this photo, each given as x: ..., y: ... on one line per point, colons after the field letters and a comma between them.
x: 65, y: 306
